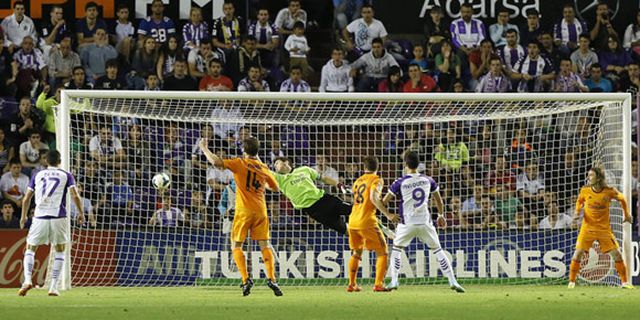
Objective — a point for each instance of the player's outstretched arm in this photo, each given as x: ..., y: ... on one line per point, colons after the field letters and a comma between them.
x: 375, y: 197
x: 212, y: 157
x: 26, y: 201
x: 78, y: 201
x: 387, y: 198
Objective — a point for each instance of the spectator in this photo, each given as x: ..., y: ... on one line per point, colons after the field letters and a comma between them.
x: 14, y: 183
x: 324, y: 168
x: 549, y: 50
x: 346, y: 11
x: 46, y: 104
x: 227, y: 206
x: 8, y: 70
x: 452, y: 153
x: 42, y: 162
x: 419, y: 82
x: 157, y: 25
x: 117, y: 199
x: 376, y: 64
x: 27, y: 119
x: 62, y: 63
x: 490, y: 220
x: 197, y: 213
x: 53, y: 31
x: 393, y: 82
x: 471, y: 206
x: 298, y: 48
x: 419, y: 58
x: 268, y: 39
x: 632, y: 83
x: 530, y: 186
x: 78, y: 80
x: 501, y: 175
x: 531, y: 31
x: 603, y: 28
x: 295, y: 82
x: 466, y: 32
x: 498, y: 30
x: 584, y: 57
x: 495, y: 80
x: 479, y: 61
x: 151, y: 82
x: 615, y: 60
x: 194, y: 31
x: 9, y: 220
x: 124, y: 32
x: 254, y: 81
x: 287, y: 17
x: 31, y: 68
x: 364, y: 30
x: 107, y: 150
x: 241, y: 59
x: 172, y: 153
x: 596, y: 82
x: 198, y: 160
x: 448, y: 65
x: 145, y: 61
x: 520, y: 150
x: 229, y: 29
x: 567, y: 30
x: 87, y: 28
x: 17, y: 27
x: 533, y: 71
x: 454, y: 217
x: 508, y: 207
x: 511, y: 52
x: 199, y: 59
x: 88, y: 209
x: 218, y: 179
x: 110, y: 80
x: 169, y: 53
x: 632, y: 37
x: 30, y: 151
x: 335, y: 74
x: 7, y: 151
x: 138, y: 152
x: 567, y: 80
x: 436, y: 29
x: 555, y: 220
x: 180, y: 80
x: 214, y: 80
x: 95, y: 55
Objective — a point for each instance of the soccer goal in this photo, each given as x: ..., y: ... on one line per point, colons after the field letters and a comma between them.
x: 509, y: 168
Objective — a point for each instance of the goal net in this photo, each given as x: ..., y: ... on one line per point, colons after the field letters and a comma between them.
x: 509, y: 168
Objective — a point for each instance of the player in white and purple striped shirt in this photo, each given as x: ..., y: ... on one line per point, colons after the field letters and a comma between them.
x: 49, y: 225
x: 195, y: 30
x: 412, y: 191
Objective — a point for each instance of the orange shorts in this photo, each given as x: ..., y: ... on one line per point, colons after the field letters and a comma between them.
x: 258, y: 224
x: 606, y: 240
x: 371, y: 239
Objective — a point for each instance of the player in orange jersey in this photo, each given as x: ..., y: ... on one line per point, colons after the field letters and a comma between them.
x: 252, y: 177
x: 596, y: 198
x: 363, y: 229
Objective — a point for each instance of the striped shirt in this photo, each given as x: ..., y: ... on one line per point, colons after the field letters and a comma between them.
x: 570, y: 83
x: 510, y: 56
x: 170, y: 217
x: 534, y: 68
x: 193, y: 34
x: 467, y: 35
x: 263, y: 33
x: 491, y: 83
x: 569, y: 32
x: 290, y: 86
x: 30, y: 60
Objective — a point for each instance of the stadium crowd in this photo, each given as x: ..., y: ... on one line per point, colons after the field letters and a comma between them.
x: 490, y: 172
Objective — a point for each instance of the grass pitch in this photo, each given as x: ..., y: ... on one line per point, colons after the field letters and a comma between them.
x: 410, y: 302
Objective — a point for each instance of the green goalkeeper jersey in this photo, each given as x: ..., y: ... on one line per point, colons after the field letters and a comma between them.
x: 299, y: 187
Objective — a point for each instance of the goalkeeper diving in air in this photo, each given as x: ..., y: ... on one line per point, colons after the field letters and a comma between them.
x: 298, y: 185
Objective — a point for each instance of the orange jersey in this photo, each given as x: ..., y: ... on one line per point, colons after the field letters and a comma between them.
x: 363, y: 212
x: 251, y: 175
x: 596, y: 207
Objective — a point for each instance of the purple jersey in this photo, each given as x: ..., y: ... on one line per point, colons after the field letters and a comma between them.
x: 158, y: 30
x: 50, y: 189
x: 412, y: 192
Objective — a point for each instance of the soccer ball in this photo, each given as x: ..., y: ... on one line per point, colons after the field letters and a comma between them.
x: 161, y: 181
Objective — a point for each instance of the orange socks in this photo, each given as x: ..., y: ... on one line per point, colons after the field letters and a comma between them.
x: 574, y: 269
x: 622, y: 271
x: 381, y: 269
x: 354, y: 264
x: 238, y: 257
x: 269, y: 263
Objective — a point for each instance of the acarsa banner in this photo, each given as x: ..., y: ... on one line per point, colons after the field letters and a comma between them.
x: 162, y: 259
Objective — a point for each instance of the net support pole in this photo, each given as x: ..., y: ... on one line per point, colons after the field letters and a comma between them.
x: 63, y: 142
x: 627, y: 251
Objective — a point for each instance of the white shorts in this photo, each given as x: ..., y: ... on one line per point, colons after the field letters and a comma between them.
x: 45, y: 231
x: 425, y: 233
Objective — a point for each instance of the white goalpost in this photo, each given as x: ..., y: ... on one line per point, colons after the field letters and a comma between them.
x: 509, y: 167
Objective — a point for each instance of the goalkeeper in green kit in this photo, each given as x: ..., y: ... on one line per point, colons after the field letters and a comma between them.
x: 298, y: 185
